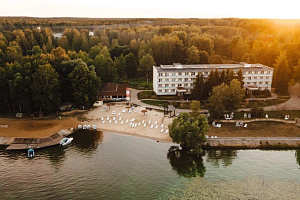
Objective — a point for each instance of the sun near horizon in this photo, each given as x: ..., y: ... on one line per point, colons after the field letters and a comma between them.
x: 153, y: 9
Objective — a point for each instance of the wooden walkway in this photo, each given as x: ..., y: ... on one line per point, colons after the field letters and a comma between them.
x: 36, y: 143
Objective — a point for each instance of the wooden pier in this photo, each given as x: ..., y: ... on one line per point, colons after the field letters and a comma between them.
x: 36, y: 143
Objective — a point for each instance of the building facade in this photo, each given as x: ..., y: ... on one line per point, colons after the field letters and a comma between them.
x: 114, y: 92
x: 178, y: 79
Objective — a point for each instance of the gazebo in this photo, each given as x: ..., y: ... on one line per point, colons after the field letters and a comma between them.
x: 169, y: 109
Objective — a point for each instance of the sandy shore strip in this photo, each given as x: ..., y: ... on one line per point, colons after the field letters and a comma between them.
x: 118, y: 118
x: 153, y: 124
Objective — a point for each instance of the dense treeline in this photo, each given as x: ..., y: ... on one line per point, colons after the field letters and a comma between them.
x: 117, y: 53
x: 204, y: 86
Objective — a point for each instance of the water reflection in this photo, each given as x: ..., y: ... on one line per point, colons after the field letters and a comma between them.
x: 297, y: 155
x: 56, y: 155
x: 185, y: 163
x: 225, y: 156
x: 87, y: 141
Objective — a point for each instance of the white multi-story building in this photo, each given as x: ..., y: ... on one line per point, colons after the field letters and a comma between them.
x: 178, y: 79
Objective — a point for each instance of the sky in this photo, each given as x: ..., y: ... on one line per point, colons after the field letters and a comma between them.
x: 287, y: 9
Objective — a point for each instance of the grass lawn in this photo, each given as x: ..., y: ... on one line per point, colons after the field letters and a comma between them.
x: 156, y: 103
x: 279, y: 100
x: 152, y: 95
x: 139, y: 83
x: 256, y: 129
x: 280, y: 114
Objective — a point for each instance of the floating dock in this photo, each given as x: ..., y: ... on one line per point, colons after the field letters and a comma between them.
x: 36, y: 143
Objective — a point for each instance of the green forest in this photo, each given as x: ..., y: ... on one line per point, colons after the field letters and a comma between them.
x: 39, y: 71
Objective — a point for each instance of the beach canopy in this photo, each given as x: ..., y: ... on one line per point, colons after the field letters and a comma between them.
x: 144, y: 111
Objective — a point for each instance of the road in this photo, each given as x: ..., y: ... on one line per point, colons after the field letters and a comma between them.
x: 292, y: 104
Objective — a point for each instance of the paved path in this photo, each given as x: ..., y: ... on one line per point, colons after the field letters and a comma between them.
x: 292, y: 104
x: 134, y: 99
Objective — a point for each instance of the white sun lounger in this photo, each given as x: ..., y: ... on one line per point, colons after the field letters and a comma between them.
x: 143, y: 121
x: 122, y: 122
x: 107, y: 118
x: 162, y: 125
x: 114, y: 118
x: 167, y: 131
x: 132, y: 120
x: 145, y: 125
x: 126, y: 121
x: 245, y: 126
x: 155, y: 122
x: 116, y: 121
x: 149, y: 122
x: 103, y: 121
x: 151, y: 126
x: 162, y: 130
x: 109, y: 121
x: 102, y: 118
x: 139, y: 123
x: 156, y: 126
x: 130, y: 123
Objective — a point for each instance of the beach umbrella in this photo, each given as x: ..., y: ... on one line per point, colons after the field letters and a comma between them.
x: 128, y: 107
x: 144, y: 111
x: 109, y: 105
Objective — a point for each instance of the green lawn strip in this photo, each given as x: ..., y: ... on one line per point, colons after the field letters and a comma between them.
x: 139, y: 83
x: 265, y: 103
x: 273, y: 114
x: 152, y: 95
x: 156, y: 103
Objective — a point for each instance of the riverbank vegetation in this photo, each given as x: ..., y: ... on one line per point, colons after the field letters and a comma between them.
x: 188, y: 129
x: 256, y: 129
x: 117, y: 50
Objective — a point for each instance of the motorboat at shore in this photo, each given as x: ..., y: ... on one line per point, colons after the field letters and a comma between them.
x: 65, y: 141
x: 30, y: 153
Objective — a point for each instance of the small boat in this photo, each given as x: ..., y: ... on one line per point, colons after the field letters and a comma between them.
x: 79, y: 126
x: 94, y: 127
x: 84, y: 127
x: 88, y: 127
x: 65, y: 141
x: 30, y: 153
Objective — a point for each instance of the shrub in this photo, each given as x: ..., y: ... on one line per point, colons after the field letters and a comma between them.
x: 257, y: 111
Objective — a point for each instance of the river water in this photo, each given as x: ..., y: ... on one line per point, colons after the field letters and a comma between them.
x: 115, y: 166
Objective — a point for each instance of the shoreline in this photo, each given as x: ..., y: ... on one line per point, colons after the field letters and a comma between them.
x: 151, y: 125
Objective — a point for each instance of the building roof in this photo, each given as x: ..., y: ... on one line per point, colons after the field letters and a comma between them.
x: 113, y: 89
x: 193, y: 67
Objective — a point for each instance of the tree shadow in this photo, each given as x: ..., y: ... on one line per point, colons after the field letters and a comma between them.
x: 297, y: 155
x: 185, y: 163
x: 87, y: 141
x: 225, y: 156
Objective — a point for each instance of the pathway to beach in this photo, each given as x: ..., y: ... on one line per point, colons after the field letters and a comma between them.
x: 292, y: 104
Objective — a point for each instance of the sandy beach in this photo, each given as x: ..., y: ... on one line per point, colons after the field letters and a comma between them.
x: 38, y: 128
x: 118, y: 118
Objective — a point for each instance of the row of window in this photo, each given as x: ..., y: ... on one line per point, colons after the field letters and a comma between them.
x: 191, y: 84
x: 175, y: 85
x: 171, y: 90
x: 257, y: 83
x: 257, y: 72
x: 257, y: 77
x: 166, y: 74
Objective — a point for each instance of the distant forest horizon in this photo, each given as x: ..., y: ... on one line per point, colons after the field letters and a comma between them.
x: 124, y: 49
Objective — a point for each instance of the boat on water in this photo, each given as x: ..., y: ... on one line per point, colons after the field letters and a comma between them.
x: 65, y: 141
x: 30, y: 153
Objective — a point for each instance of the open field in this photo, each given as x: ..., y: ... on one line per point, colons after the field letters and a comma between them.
x: 256, y: 129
